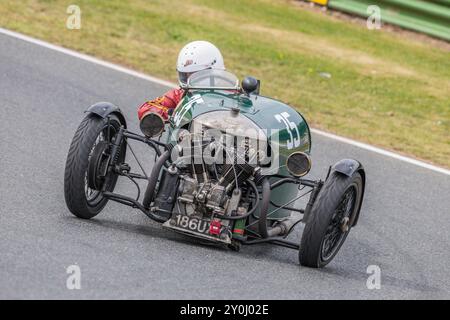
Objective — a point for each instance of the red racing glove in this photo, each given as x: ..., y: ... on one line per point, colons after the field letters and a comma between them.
x: 162, y: 105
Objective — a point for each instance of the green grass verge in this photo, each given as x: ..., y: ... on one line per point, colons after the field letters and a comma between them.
x: 384, y: 89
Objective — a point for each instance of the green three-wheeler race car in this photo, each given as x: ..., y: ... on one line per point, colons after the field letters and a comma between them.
x: 229, y: 169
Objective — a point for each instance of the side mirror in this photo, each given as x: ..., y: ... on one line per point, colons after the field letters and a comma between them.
x: 250, y: 85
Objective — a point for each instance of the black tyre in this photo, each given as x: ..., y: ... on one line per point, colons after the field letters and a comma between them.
x: 88, y: 155
x: 331, y: 218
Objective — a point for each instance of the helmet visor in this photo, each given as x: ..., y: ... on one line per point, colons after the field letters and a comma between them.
x: 184, y: 76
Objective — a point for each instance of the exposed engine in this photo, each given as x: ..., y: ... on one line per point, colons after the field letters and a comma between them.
x: 199, y: 186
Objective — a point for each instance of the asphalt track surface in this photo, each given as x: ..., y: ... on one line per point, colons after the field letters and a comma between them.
x: 403, y: 229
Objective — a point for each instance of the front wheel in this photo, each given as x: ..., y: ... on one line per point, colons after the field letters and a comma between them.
x: 330, y: 219
x: 87, y: 163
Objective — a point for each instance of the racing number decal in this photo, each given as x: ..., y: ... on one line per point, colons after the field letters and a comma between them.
x: 290, y: 127
x: 179, y: 115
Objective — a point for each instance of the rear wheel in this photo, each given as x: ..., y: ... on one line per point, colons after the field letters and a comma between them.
x: 87, y: 163
x: 331, y: 218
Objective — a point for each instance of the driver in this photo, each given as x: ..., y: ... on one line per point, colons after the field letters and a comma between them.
x: 195, y: 56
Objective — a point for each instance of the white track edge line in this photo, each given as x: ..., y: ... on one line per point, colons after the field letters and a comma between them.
x: 172, y: 85
x: 387, y: 153
x: 86, y: 57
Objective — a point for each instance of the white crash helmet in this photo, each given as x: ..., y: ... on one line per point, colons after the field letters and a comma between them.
x: 197, y: 56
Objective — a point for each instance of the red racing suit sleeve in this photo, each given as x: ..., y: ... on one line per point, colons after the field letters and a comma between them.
x: 162, y: 104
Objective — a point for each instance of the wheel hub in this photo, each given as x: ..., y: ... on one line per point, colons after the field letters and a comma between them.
x: 98, y: 166
x: 345, y: 224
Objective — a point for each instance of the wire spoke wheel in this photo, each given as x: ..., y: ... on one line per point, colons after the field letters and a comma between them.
x: 98, y: 161
x: 332, y: 216
x: 87, y: 163
x: 338, y: 227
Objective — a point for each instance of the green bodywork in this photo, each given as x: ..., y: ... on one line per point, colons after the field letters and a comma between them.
x: 265, y: 113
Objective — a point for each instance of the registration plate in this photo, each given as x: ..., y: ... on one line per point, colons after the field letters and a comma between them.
x: 195, y: 227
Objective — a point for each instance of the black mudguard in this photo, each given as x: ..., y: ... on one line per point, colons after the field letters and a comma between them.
x: 348, y: 167
x: 103, y: 109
